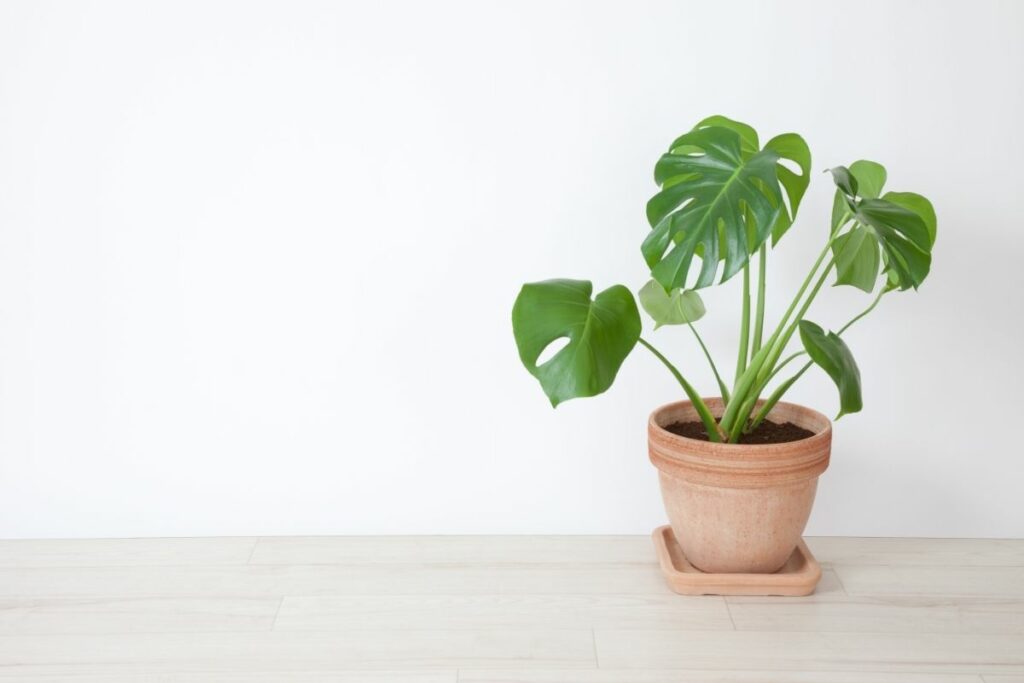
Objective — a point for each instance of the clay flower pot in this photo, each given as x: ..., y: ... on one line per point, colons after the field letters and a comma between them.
x: 736, y: 508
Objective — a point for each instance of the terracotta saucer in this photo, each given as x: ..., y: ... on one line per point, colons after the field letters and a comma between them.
x: 798, y: 576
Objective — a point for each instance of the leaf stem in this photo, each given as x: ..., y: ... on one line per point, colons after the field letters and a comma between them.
x: 762, y: 264
x: 712, y: 428
x: 741, y: 360
x: 863, y: 313
x: 783, y: 333
x: 784, y: 339
x: 784, y: 387
x: 714, y: 368
x: 784, y: 362
x: 764, y: 360
x: 767, y: 406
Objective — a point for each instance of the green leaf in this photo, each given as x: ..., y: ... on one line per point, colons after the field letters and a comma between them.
x: 904, y: 237
x: 844, y: 180
x: 601, y: 333
x: 748, y: 136
x: 903, y: 223
x: 677, y: 307
x: 919, y: 205
x: 870, y: 178
x: 792, y: 147
x: 892, y: 281
x: 857, y: 261
x: 789, y: 146
x: 707, y: 198
x: 840, y: 210
x: 833, y: 356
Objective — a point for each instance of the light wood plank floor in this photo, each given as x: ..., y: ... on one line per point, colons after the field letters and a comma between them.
x: 497, y: 609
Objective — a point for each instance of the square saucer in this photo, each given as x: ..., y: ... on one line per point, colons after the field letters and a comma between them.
x: 798, y: 576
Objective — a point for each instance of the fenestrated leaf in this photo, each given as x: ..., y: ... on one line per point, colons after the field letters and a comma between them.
x: 707, y: 197
x: 748, y: 136
x: 677, y: 307
x: 919, y: 205
x: 904, y: 238
x: 601, y: 333
x: 870, y: 177
x: 857, y: 261
x: 833, y: 356
x: 792, y: 147
x: 788, y: 146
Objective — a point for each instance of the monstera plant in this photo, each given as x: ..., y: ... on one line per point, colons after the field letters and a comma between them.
x: 724, y: 201
x: 738, y: 473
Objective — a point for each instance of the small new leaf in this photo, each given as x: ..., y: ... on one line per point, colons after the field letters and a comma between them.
x: 870, y: 177
x: 912, y: 201
x: 677, y: 307
x: 904, y: 237
x: 844, y: 180
x: 841, y: 211
x: 830, y: 353
x: 856, y: 256
x: 903, y: 223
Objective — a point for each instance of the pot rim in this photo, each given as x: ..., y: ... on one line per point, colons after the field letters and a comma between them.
x: 740, y: 465
x: 716, y: 405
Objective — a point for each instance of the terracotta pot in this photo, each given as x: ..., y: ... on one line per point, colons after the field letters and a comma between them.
x: 734, y: 508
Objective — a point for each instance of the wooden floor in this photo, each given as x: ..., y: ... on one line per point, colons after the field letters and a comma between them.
x: 522, y: 609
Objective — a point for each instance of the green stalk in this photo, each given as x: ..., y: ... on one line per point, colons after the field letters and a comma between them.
x: 863, y: 313
x: 748, y: 406
x: 759, y: 316
x: 706, y: 417
x: 784, y: 387
x: 739, y: 418
x: 767, y: 406
x: 714, y: 368
x: 754, y: 373
x: 785, y: 361
x: 741, y: 360
x: 741, y: 426
x: 742, y: 389
x: 782, y: 333
x: 781, y: 343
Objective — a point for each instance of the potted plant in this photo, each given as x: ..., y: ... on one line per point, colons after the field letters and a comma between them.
x: 738, y: 472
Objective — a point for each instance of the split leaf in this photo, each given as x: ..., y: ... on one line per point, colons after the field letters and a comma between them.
x: 601, y: 333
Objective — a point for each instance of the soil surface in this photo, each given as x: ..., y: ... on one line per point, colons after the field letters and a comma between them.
x: 767, y: 432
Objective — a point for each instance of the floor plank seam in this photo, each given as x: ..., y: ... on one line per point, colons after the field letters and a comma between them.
x: 839, y: 579
x: 728, y: 611
x: 252, y: 552
x: 277, y: 612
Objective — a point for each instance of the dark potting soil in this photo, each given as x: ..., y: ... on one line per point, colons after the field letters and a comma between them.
x: 766, y: 432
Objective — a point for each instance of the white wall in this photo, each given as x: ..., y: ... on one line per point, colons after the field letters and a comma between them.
x: 257, y: 259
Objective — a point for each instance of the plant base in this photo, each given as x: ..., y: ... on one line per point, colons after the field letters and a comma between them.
x: 798, y: 576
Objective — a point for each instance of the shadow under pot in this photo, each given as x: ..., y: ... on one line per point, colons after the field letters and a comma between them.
x: 738, y: 508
